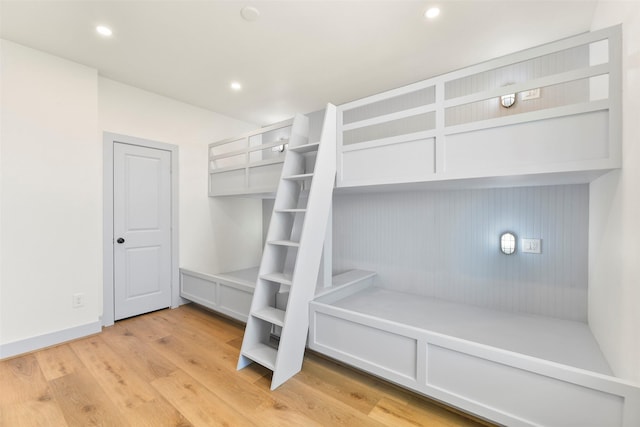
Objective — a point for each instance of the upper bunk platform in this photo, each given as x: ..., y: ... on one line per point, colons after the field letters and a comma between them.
x: 546, y: 115
x: 551, y: 113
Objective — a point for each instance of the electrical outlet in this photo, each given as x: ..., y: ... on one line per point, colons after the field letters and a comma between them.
x: 78, y: 300
x: 531, y: 246
x: 530, y: 94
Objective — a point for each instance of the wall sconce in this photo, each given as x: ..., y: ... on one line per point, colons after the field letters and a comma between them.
x: 280, y: 148
x: 508, y: 100
x: 508, y: 243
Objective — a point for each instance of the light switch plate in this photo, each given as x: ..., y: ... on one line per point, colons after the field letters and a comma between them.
x: 531, y: 246
x: 530, y: 94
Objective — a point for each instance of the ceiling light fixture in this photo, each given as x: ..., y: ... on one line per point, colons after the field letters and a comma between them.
x: 104, y: 31
x: 235, y: 86
x: 249, y: 13
x: 432, y: 12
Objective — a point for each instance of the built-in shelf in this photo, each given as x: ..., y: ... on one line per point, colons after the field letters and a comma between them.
x: 282, y: 278
x: 291, y: 210
x: 288, y: 243
x: 262, y: 354
x: 300, y: 177
x: 271, y: 315
x: 307, y: 148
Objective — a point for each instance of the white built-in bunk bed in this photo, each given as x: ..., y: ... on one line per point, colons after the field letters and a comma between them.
x: 450, y: 133
x: 513, y: 368
x: 245, y: 166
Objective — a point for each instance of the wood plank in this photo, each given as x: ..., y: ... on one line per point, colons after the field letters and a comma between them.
x: 255, y: 402
x: 190, y: 379
x: 390, y: 412
x: 339, y: 375
x: 21, y: 380
x: 148, y: 329
x: 137, y: 401
x: 198, y: 335
x: 349, y: 389
x: 25, y: 395
x: 226, y: 324
x: 200, y: 406
x: 321, y: 407
x: 42, y: 413
x: 83, y: 403
x: 214, y: 325
x: 112, y: 372
x: 145, y: 361
x: 157, y: 413
x: 56, y: 362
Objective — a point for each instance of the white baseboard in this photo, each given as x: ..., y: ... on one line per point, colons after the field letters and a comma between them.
x: 41, y: 341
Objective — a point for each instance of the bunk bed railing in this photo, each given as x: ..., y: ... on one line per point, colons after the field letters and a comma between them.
x: 250, y: 163
x: 571, y: 77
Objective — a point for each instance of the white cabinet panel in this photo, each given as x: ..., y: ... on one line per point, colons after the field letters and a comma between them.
x: 538, y: 399
x: 226, y: 293
x: 552, y: 145
x: 391, y: 352
x: 567, y: 133
x: 408, y: 161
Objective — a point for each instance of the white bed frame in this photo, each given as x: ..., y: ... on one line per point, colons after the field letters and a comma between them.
x: 503, y: 386
x: 451, y: 128
x: 439, y: 134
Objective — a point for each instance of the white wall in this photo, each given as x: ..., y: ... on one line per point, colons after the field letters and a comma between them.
x: 51, y: 194
x: 614, y: 253
x: 215, y: 234
x: 52, y: 118
x: 444, y: 244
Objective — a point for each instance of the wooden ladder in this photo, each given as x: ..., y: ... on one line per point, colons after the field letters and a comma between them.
x: 292, y: 253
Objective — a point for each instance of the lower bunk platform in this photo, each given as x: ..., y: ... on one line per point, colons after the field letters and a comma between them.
x: 227, y: 293
x: 513, y: 369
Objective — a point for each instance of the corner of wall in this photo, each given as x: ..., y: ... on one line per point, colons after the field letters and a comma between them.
x: 614, y: 209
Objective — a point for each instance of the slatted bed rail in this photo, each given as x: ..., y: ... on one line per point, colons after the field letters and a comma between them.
x: 566, y: 117
x: 250, y: 163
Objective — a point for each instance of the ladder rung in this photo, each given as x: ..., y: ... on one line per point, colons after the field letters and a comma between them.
x: 285, y: 279
x: 301, y: 177
x: 262, y: 354
x: 289, y: 243
x: 291, y: 210
x: 271, y: 315
x: 307, y: 148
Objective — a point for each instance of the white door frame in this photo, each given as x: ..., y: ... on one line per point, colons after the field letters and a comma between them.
x: 107, y: 231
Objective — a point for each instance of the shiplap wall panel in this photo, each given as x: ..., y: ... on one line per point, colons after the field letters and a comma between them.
x: 444, y: 244
x: 542, y: 66
x: 406, y: 101
x: 550, y: 96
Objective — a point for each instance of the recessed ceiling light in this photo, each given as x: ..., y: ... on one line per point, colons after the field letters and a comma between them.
x: 249, y: 13
x: 432, y: 12
x: 235, y: 86
x: 104, y: 31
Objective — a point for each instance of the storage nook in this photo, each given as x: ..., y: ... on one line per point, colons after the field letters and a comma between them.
x: 428, y: 177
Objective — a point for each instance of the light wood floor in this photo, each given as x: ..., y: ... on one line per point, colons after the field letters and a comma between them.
x: 177, y: 368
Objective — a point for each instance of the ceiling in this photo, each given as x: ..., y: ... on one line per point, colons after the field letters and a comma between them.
x: 296, y: 56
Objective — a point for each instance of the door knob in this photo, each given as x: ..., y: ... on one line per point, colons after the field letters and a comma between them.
x: 120, y: 240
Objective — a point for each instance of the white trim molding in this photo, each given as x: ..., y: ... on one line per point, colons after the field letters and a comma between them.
x: 47, y: 340
x: 108, y: 286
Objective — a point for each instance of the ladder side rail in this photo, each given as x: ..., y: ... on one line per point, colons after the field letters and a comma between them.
x: 287, y: 193
x: 294, y: 334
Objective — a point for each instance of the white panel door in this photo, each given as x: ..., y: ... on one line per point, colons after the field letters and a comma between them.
x: 142, y: 229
